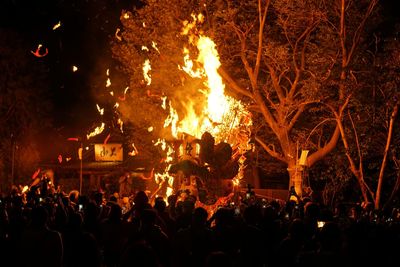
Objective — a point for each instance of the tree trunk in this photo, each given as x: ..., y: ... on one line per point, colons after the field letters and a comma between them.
x: 296, y: 178
x: 384, y: 160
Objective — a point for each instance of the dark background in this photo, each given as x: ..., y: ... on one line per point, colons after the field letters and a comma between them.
x: 83, y: 40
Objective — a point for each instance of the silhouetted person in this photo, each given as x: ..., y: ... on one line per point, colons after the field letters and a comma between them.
x: 291, y: 246
x: 40, y: 246
x: 219, y: 259
x: 193, y: 244
x: 113, y: 236
x: 80, y: 247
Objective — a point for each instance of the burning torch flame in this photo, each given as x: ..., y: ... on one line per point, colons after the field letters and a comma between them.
x: 146, y: 69
x: 124, y: 97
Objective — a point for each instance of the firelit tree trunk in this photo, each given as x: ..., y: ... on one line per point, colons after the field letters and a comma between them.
x: 384, y: 160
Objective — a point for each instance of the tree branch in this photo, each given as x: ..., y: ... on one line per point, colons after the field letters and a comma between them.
x: 295, y: 117
x: 262, y: 17
x: 270, y: 151
x: 233, y: 84
x: 357, y: 34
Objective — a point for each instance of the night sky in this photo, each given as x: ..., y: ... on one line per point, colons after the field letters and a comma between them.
x: 82, y: 40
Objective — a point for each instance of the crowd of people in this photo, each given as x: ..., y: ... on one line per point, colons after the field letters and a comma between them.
x: 72, y: 230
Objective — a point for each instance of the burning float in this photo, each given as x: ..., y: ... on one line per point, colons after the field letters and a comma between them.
x: 204, y: 138
x: 205, y: 153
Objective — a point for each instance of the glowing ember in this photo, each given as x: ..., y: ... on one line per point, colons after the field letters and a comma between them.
x: 126, y: 16
x: 144, y: 48
x: 117, y: 35
x: 112, y: 93
x: 74, y: 68
x: 58, y: 25
x: 96, y: 131
x: 108, y: 82
x: 116, y: 105
x: 150, y: 129
x: 25, y: 189
x: 134, y: 152
x: 146, y: 69
x: 100, y: 110
x: 154, y: 45
x: 121, y: 125
x: 123, y: 98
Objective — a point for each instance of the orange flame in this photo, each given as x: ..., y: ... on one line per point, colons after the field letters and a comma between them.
x: 146, y: 69
x: 98, y: 130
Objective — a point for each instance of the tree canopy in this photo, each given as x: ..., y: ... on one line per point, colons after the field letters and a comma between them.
x: 287, y: 59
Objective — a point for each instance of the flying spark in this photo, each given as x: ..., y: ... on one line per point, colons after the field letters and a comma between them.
x: 58, y: 25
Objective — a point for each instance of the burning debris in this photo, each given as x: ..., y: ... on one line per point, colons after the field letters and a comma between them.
x: 38, y: 51
x: 208, y: 147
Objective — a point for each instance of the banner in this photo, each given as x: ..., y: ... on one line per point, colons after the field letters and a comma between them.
x: 108, y: 152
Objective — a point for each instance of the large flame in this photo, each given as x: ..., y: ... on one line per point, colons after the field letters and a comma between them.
x: 223, y: 116
x: 222, y: 113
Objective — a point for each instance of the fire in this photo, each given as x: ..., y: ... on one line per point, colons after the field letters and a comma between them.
x: 121, y: 125
x: 25, y: 189
x: 154, y: 45
x: 100, y: 110
x: 161, y: 178
x: 134, y: 152
x: 74, y: 68
x: 222, y: 113
x: 146, y: 69
x: 108, y: 82
x: 56, y: 26
x: 96, y: 131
